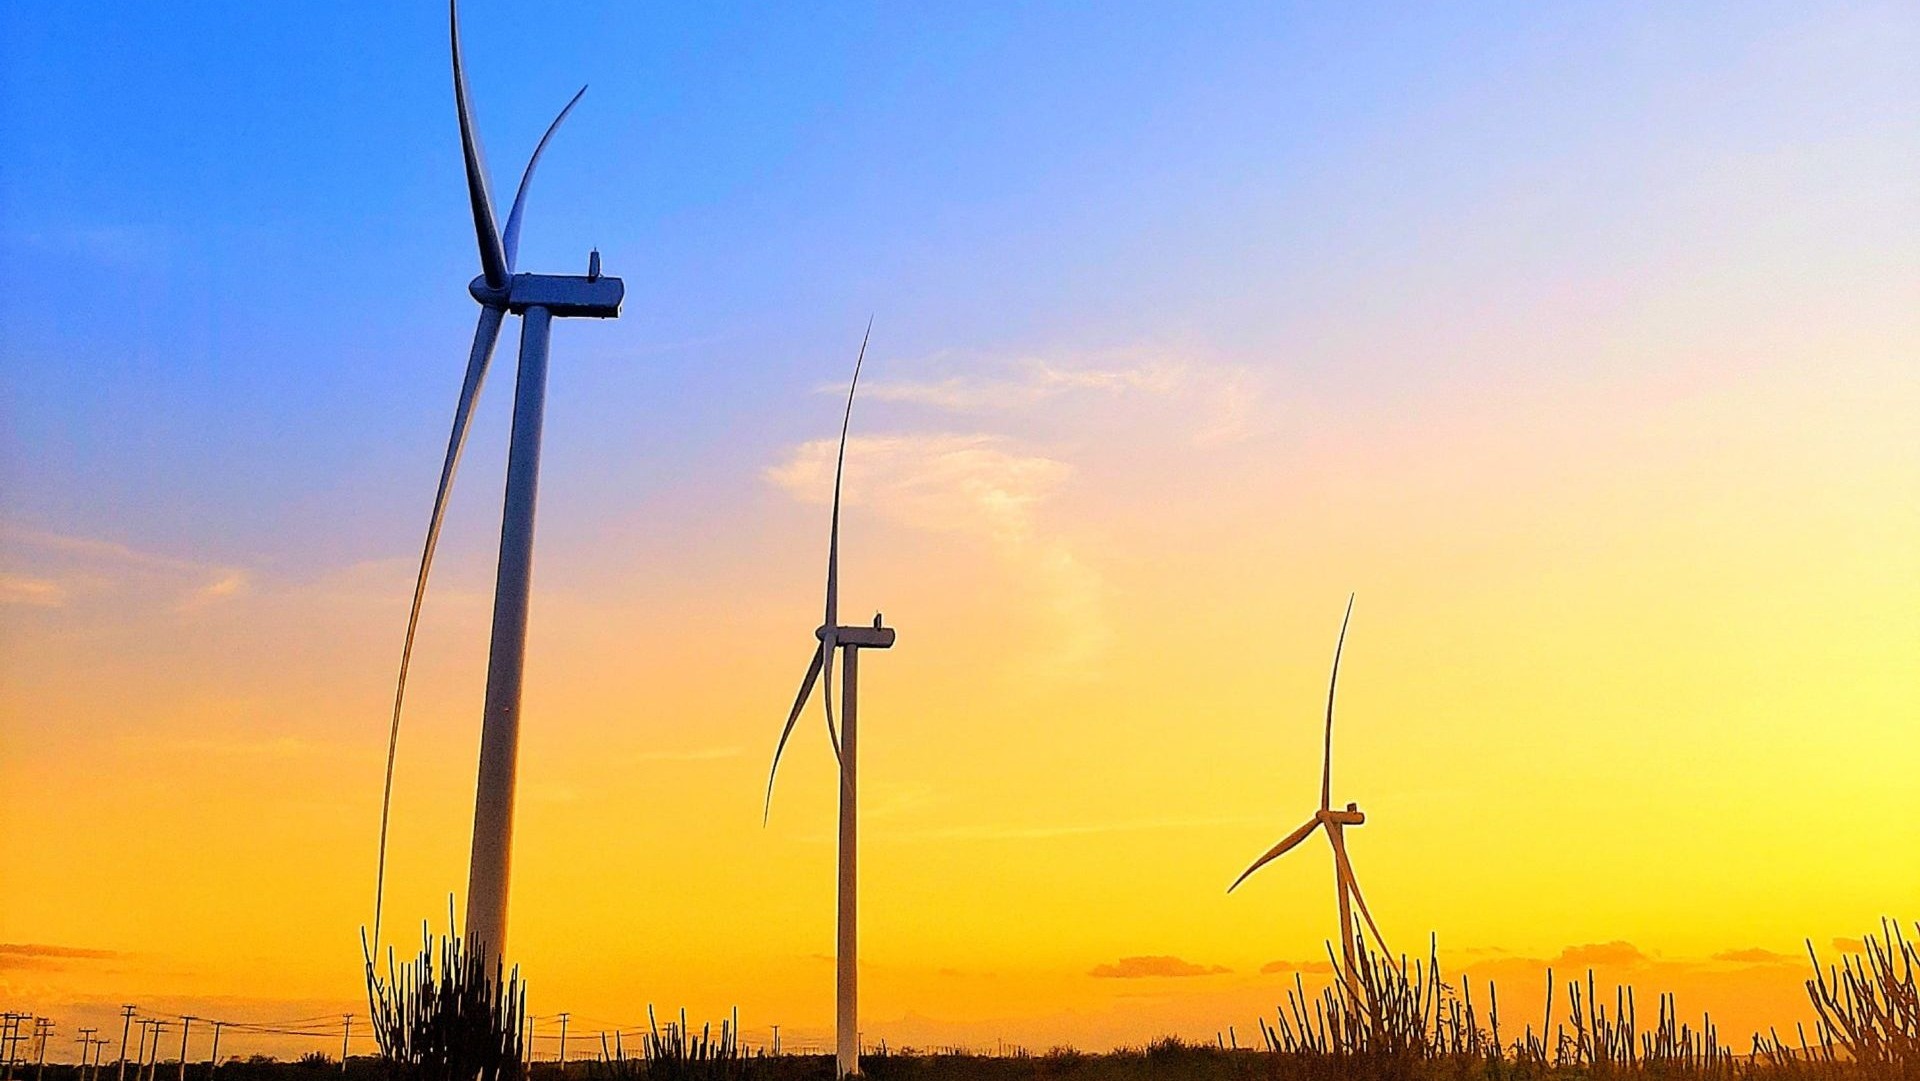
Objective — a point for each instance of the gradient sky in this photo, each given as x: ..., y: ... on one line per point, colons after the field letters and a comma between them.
x: 1581, y: 343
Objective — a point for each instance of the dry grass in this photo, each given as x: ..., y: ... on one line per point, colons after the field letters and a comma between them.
x: 1404, y: 1021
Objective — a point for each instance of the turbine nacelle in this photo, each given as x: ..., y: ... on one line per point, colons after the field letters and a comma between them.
x: 593, y: 296
x: 874, y: 637
x: 1352, y: 816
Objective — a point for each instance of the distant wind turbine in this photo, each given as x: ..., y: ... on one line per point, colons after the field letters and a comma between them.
x: 1336, y: 823
x: 538, y: 299
x: 850, y: 641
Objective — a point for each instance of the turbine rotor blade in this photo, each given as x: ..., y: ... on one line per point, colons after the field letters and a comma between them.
x: 1353, y: 887
x: 493, y: 260
x: 793, y: 717
x: 827, y: 643
x: 839, y: 467
x: 1286, y: 844
x: 1326, y: 761
x: 512, y: 239
x: 485, y: 334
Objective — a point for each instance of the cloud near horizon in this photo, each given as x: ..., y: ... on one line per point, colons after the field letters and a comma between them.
x: 1615, y: 954
x: 1755, y: 955
x: 30, y: 955
x: 1158, y: 966
x: 1311, y: 968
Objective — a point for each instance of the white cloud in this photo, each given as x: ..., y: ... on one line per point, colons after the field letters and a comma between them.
x: 87, y: 565
x: 26, y: 592
x: 230, y: 584
x: 977, y: 485
x: 1214, y: 401
x: 92, y: 549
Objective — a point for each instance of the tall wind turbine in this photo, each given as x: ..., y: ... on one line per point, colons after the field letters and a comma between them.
x: 538, y: 299
x: 1335, y: 822
x: 849, y: 641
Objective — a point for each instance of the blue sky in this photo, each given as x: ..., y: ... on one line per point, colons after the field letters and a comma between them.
x: 263, y: 204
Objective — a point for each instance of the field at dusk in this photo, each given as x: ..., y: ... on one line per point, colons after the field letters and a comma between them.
x: 908, y: 504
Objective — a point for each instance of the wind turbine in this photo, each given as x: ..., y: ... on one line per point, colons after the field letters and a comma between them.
x: 538, y: 299
x: 1335, y: 822
x: 849, y: 641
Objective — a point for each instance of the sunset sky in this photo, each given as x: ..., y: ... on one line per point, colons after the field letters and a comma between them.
x: 1579, y: 342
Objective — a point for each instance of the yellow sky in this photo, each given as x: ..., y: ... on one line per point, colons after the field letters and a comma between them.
x: 1632, y: 662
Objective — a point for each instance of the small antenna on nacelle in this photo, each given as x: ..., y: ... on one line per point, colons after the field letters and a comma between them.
x: 593, y: 265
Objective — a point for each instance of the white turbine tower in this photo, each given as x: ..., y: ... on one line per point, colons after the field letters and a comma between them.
x: 1336, y: 822
x: 538, y: 299
x: 849, y: 641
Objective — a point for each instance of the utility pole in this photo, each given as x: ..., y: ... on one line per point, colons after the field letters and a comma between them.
x: 140, y: 1059
x: 345, y: 1035
x: 8, y: 1037
x: 153, y: 1056
x: 563, y: 1043
x: 125, y: 1028
x: 85, y: 1040
x: 42, y: 1028
x: 186, y: 1022
x: 776, y: 1040
x: 213, y: 1056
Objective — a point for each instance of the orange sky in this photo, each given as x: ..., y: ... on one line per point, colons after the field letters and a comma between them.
x: 1583, y: 351
x: 1636, y: 672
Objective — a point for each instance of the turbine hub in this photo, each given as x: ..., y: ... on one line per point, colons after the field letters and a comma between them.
x: 487, y: 294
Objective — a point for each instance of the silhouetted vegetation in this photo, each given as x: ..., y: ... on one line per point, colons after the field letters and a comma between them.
x: 673, y: 1053
x: 442, y: 1018
x: 450, y: 1021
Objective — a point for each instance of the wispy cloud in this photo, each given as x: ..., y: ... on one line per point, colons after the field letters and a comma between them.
x: 48, y: 958
x: 1309, y: 967
x: 1084, y: 829
x: 29, y: 592
x: 1137, y: 968
x: 1028, y: 382
x: 1617, y: 953
x: 230, y: 584
x: 72, y: 566
x: 978, y: 485
x: 1754, y: 955
x: 1214, y: 400
x: 28, y: 949
x: 94, y: 548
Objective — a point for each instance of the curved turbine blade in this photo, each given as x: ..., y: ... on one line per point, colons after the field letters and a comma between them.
x: 512, y: 240
x: 484, y: 335
x: 1326, y: 762
x: 493, y: 260
x: 1278, y: 850
x: 832, y: 621
x: 1353, y: 887
x: 799, y: 703
x: 839, y: 467
x: 828, y: 642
